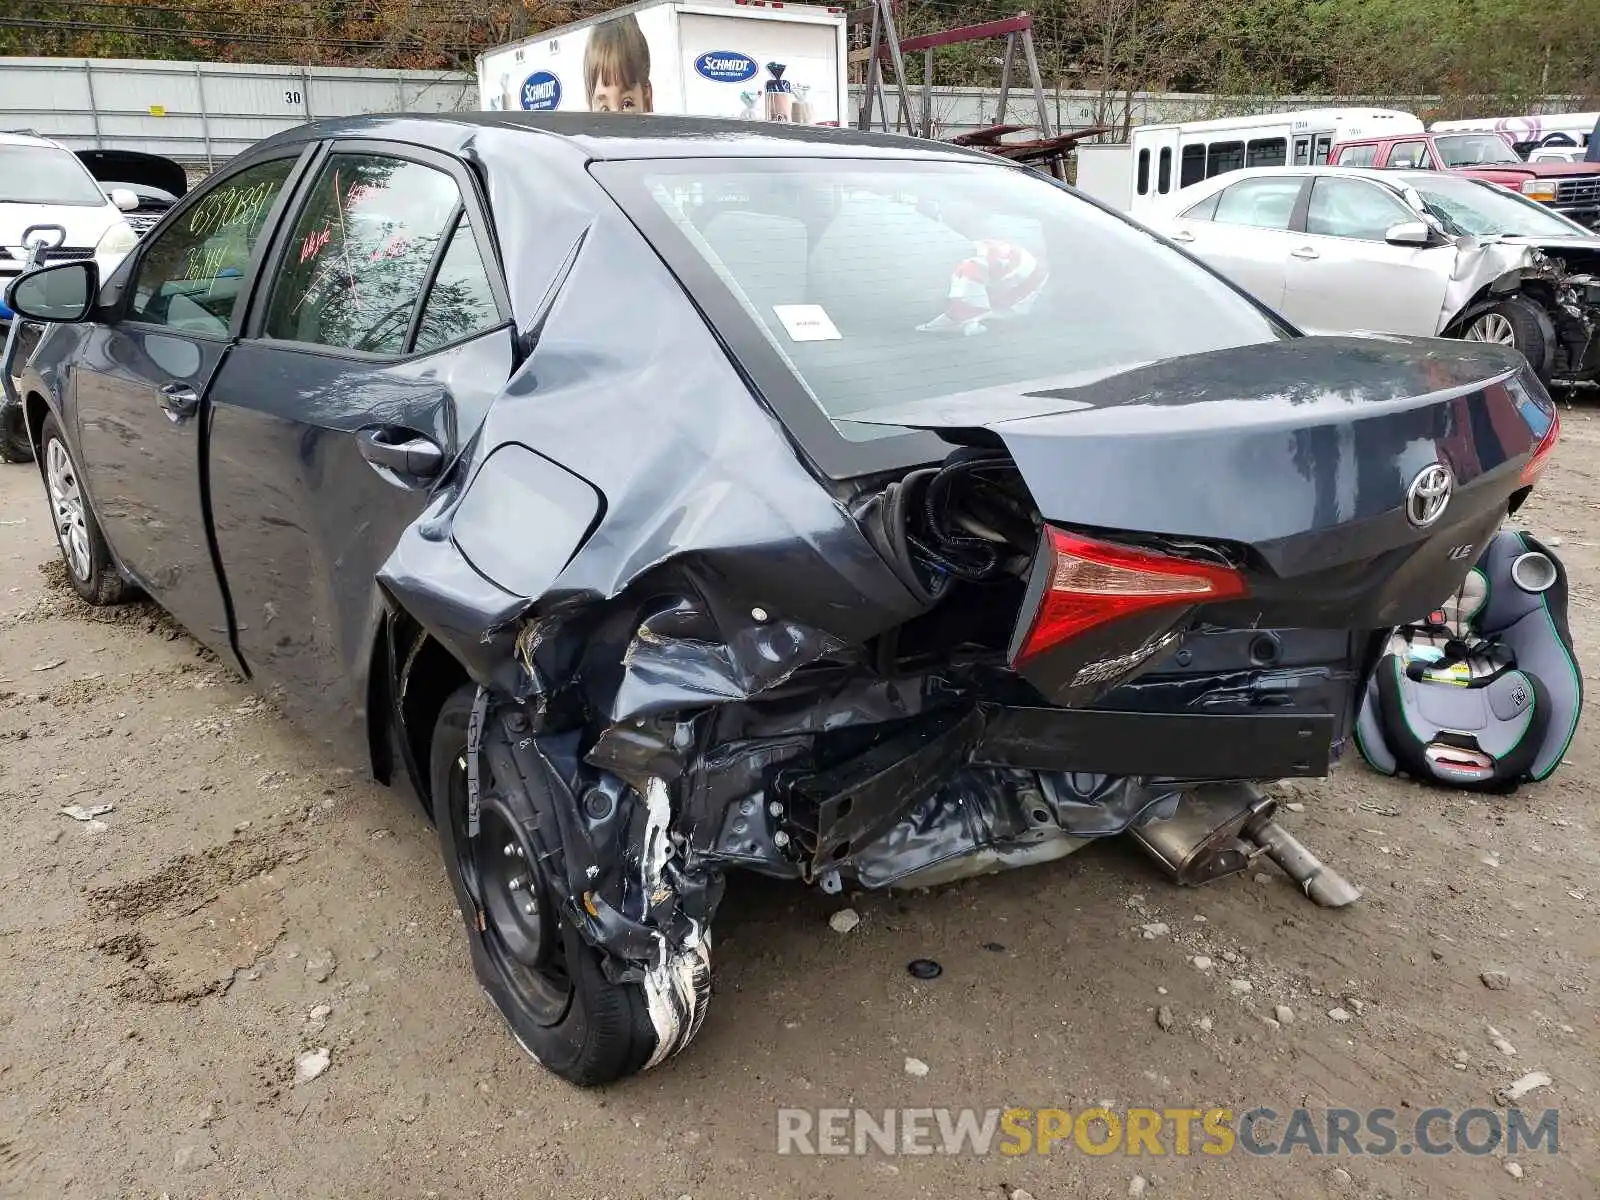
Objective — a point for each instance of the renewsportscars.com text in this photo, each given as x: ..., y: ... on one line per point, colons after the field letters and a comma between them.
x: 1154, y: 1132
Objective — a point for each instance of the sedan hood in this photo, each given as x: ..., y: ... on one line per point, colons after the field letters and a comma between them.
x: 134, y: 167
x: 1577, y: 242
x: 84, y: 223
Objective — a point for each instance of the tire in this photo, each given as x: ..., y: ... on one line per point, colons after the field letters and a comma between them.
x: 90, y: 567
x: 597, y: 1031
x: 1519, y: 323
x: 14, y: 444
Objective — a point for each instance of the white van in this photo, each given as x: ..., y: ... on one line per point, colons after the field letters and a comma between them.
x: 1158, y: 160
x: 1571, y: 130
x: 762, y: 60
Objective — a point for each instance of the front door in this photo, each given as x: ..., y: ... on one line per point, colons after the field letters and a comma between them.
x: 142, y: 385
x: 371, y: 361
x: 1342, y: 275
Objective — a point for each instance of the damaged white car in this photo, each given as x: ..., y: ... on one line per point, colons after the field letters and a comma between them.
x: 1340, y: 249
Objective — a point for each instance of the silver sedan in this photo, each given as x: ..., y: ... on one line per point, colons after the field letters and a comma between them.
x: 1343, y: 249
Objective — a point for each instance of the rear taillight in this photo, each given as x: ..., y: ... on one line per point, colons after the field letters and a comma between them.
x: 1091, y: 583
x: 1542, y: 452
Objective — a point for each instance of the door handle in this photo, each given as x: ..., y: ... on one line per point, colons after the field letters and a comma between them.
x: 1183, y: 235
x: 403, y: 451
x: 179, y: 401
x: 1305, y: 252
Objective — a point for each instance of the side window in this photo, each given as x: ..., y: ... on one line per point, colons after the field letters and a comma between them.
x: 1206, y: 210
x: 1266, y: 152
x: 1224, y: 156
x: 1410, y: 154
x: 1164, y: 171
x: 360, y: 253
x: 460, y: 302
x: 1191, y: 165
x: 191, y: 276
x: 1144, y: 172
x: 1353, y: 208
x: 1358, y: 156
x: 1262, y: 203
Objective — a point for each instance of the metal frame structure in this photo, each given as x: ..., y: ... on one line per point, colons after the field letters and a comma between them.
x: 886, y: 41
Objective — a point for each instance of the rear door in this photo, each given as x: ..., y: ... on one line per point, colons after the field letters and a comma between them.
x: 1243, y: 231
x: 373, y: 357
x: 1342, y: 275
x: 141, y: 386
x: 1154, y: 172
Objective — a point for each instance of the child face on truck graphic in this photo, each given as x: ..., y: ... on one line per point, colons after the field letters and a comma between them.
x: 616, y: 68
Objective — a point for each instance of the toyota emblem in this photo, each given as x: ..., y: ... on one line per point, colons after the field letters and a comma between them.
x: 1429, y: 495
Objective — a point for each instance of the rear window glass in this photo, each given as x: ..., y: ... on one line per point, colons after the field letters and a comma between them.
x: 886, y: 284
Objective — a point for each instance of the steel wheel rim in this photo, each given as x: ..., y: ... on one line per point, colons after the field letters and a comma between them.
x: 66, y: 509
x: 1493, y: 328
x: 531, y: 961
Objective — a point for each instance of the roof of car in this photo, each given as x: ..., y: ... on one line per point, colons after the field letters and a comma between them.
x: 619, y: 136
x: 18, y: 138
x: 1394, y: 177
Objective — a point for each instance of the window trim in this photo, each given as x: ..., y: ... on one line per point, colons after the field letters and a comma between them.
x: 127, y: 275
x: 469, y: 199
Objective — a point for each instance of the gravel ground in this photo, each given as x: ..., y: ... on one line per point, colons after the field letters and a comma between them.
x: 247, y: 903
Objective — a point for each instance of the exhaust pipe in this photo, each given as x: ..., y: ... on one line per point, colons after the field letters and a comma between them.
x: 1316, y: 879
x: 1219, y: 830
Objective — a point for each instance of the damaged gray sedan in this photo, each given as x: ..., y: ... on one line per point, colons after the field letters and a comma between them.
x: 662, y: 497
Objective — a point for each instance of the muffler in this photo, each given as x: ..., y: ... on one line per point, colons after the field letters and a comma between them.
x: 1220, y: 829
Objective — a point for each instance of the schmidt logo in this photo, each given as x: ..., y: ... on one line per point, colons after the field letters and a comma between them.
x: 725, y: 66
x: 541, y: 90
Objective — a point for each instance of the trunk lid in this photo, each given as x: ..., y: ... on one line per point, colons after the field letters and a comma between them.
x: 1311, y: 466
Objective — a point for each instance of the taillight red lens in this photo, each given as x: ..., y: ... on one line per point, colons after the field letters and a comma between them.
x: 1543, y: 451
x: 1091, y: 583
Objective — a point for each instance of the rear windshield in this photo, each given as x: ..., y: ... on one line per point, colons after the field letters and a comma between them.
x: 884, y: 284
x: 46, y: 175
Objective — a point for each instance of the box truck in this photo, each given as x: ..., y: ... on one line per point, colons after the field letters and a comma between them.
x: 763, y: 60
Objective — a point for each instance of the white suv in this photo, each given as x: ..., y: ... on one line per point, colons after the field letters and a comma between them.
x: 43, y: 183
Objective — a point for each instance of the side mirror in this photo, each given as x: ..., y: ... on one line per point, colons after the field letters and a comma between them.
x: 64, y: 292
x: 1409, y: 233
x: 125, y: 199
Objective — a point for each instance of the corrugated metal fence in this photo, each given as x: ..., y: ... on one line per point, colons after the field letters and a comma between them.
x: 202, y: 113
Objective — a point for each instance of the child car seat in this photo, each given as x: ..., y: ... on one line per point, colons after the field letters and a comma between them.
x: 1486, y: 692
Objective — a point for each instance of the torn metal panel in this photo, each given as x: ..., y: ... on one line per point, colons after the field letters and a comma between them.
x: 982, y: 820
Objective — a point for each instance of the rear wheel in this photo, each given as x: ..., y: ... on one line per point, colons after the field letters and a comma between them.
x: 90, y: 568
x: 1516, y: 322
x: 14, y: 444
x: 541, y: 974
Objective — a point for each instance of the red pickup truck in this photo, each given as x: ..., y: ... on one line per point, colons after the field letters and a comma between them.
x: 1572, y: 189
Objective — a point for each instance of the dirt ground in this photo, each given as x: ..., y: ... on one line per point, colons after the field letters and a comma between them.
x: 247, y: 900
